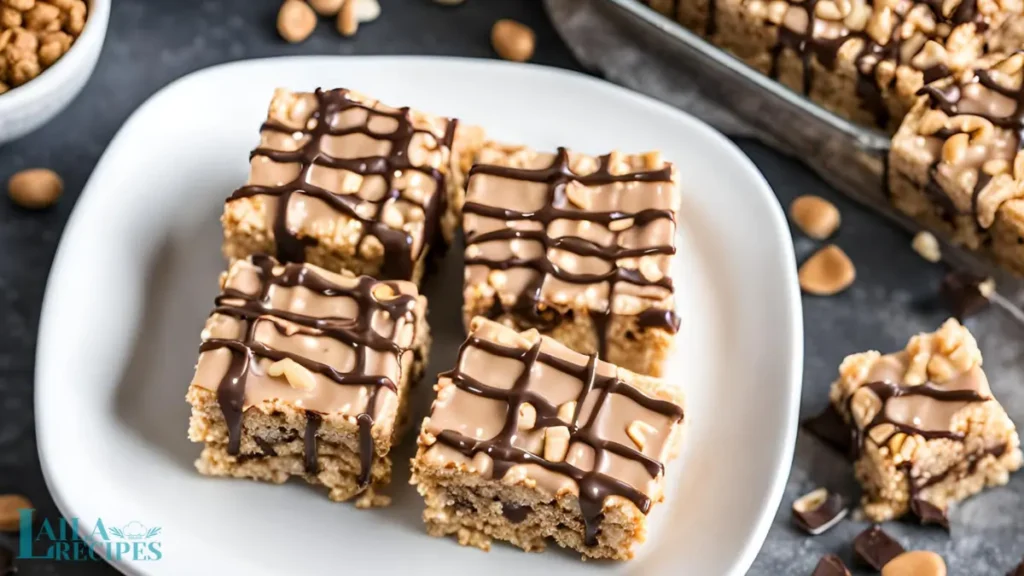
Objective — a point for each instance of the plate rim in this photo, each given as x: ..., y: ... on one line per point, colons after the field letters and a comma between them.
x: 793, y: 367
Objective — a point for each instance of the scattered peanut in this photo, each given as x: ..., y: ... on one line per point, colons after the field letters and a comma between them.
x: 367, y: 10
x: 34, y: 36
x: 10, y: 504
x: 815, y: 216
x: 295, y: 21
x: 35, y: 189
x: 348, y: 23
x: 927, y: 246
x: 513, y: 41
x: 326, y: 7
x: 915, y: 563
x: 827, y: 272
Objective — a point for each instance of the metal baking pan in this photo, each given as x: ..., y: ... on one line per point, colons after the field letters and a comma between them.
x: 848, y: 156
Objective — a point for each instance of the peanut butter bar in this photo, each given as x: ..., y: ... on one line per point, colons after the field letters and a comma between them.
x: 528, y: 441
x: 926, y: 430
x: 955, y: 164
x: 347, y: 183
x: 579, y: 247
x: 862, y: 59
x: 304, y: 372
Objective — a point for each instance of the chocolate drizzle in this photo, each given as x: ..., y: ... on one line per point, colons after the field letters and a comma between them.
x: 886, y: 390
x: 528, y: 305
x: 399, y: 258
x: 947, y: 98
x: 594, y: 486
x: 871, y: 91
x: 358, y: 333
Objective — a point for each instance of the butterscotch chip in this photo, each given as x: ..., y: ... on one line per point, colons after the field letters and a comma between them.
x: 513, y: 41
x: 927, y: 245
x: 815, y: 216
x: 295, y: 21
x: 35, y: 188
x: 915, y: 563
x: 10, y: 504
x: 828, y: 271
x: 348, y: 23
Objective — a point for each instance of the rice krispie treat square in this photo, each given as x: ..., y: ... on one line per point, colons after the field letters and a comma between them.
x: 528, y: 441
x: 347, y: 183
x: 576, y: 246
x: 926, y: 430
x: 955, y: 164
x: 303, y: 372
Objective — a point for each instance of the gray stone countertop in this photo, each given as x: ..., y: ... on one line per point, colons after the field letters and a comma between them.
x: 152, y: 43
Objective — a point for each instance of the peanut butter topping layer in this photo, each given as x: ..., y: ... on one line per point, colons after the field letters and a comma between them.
x: 338, y: 153
x: 326, y: 343
x: 546, y: 233
x: 525, y: 409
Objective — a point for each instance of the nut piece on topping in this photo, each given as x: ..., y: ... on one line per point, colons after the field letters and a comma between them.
x: 638, y: 431
x: 915, y: 563
x: 295, y: 21
x: 297, y: 375
x: 35, y: 189
x: 828, y: 271
x: 818, y: 511
x: 527, y: 416
x: 556, y: 443
x: 513, y: 41
x: 815, y: 216
x: 927, y: 246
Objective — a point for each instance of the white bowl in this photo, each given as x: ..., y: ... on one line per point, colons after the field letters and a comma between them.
x: 29, y: 106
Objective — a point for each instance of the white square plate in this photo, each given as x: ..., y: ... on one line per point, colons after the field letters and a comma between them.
x: 136, y: 273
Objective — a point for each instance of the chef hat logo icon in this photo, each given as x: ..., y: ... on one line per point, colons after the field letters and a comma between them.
x: 135, y: 530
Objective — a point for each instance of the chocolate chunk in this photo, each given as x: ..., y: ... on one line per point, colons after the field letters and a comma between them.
x: 514, y: 512
x: 818, y: 511
x: 875, y: 548
x: 928, y: 513
x: 1018, y: 571
x: 831, y: 565
x: 962, y: 294
x: 830, y: 428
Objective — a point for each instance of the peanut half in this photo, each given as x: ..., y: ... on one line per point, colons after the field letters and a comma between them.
x: 815, y: 216
x: 513, y: 41
x: 829, y: 271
